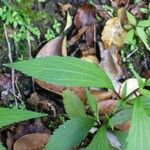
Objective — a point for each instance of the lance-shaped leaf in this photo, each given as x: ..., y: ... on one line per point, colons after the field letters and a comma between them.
x: 70, y: 134
x: 93, y: 104
x: 10, y: 116
x: 131, y: 19
x: 139, y: 133
x: 73, y: 105
x: 64, y: 71
x: 100, y: 140
x: 143, y: 36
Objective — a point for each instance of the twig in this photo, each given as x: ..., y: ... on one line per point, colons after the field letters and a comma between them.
x: 11, y: 61
x: 30, y: 54
x: 128, y: 56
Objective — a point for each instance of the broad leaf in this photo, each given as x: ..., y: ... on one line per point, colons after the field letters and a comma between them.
x: 93, y: 104
x: 144, y: 23
x: 121, y: 117
x: 145, y: 92
x: 2, y: 147
x: 10, y: 116
x: 64, y: 71
x: 139, y: 133
x: 122, y: 136
x: 130, y: 36
x: 100, y: 140
x: 145, y: 101
x: 73, y: 105
x: 140, y: 80
x: 131, y: 19
x: 147, y: 82
x: 70, y: 134
x: 142, y: 35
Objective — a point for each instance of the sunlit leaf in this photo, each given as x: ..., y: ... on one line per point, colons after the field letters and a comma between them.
x: 70, y: 134
x: 100, y: 140
x: 93, y: 104
x: 143, y: 36
x: 139, y: 133
x: 131, y: 19
x: 64, y: 71
x: 10, y: 116
x: 73, y: 105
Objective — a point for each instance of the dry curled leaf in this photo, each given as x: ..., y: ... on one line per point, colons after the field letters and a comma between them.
x: 111, y: 65
x: 34, y: 141
x: 91, y: 59
x: 124, y: 127
x: 119, y: 3
x: 113, y: 32
x: 101, y: 95
x: 52, y: 48
x: 106, y: 106
x: 85, y: 16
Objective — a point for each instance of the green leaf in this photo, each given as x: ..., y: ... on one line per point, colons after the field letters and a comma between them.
x: 93, y: 104
x: 139, y: 133
x: 145, y: 92
x: 64, y: 71
x: 144, y: 23
x: 131, y: 18
x: 122, y: 136
x: 130, y: 36
x: 142, y: 35
x: 140, y: 80
x: 10, y: 116
x: 121, y: 117
x: 70, y: 134
x: 73, y: 105
x: 145, y: 101
x: 147, y: 82
x: 100, y: 140
x: 2, y: 147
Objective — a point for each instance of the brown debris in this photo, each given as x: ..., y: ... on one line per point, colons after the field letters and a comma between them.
x: 34, y: 141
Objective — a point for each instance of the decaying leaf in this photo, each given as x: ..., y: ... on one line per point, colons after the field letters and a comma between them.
x: 91, y: 58
x: 52, y: 48
x: 34, y: 141
x: 101, y: 95
x: 124, y: 127
x: 119, y: 3
x: 85, y: 16
x: 64, y: 7
x: 114, y: 33
x: 78, y: 35
x: 111, y: 64
x: 106, y: 106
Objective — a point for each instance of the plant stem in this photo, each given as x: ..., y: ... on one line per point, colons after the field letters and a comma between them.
x: 30, y: 54
x: 11, y: 61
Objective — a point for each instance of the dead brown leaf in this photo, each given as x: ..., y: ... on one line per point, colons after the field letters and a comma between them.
x: 120, y: 3
x: 52, y: 48
x: 34, y: 141
x: 76, y: 37
x: 124, y: 127
x: 85, y: 16
x: 101, y: 95
x: 106, y: 106
x: 111, y: 64
x: 113, y: 32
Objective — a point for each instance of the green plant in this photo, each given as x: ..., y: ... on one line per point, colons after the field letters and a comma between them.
x: 137, y: 30
x: 74, y: 72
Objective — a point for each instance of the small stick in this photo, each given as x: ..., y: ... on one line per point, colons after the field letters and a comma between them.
x: 11, y: 61
x: 30, y: 55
